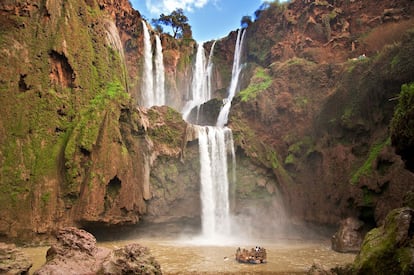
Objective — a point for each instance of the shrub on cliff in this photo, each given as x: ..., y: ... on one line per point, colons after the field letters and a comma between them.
x: 402, y: 125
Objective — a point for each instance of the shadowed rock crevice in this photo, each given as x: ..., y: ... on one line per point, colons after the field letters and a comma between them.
x: 61, y: 72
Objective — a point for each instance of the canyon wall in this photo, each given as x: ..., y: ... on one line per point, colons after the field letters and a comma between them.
x: 317, y: 107
x: 318, y: 92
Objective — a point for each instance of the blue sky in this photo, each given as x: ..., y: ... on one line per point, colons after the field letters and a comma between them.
x: 209, y: 19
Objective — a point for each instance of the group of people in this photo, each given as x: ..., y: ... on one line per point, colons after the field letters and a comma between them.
x: 256, y: 255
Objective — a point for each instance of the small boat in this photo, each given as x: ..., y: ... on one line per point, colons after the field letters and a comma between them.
x: 255, y: 255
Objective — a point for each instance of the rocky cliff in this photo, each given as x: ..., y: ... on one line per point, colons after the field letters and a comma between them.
x: 316, y: 110
x: 310, y: 124
x: 75, y: 150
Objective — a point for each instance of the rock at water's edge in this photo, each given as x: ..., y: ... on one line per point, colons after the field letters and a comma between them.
x: 349, y: 237
x: 76, y: 253
x: 389, y: 249
x: 13, y: 261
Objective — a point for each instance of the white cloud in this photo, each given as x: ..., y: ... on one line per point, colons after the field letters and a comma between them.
x: 167, y: 6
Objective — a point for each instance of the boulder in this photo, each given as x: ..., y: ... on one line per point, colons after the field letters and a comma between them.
x: 131, y: 259
x: 389, y: 249
x: 317, y: 269
x: 76, y: 253
x: 13, y: 260
x: 349, y: 236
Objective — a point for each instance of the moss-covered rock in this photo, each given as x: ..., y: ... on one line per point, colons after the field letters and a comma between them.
x: 388, y: 249
x: 402, y: 125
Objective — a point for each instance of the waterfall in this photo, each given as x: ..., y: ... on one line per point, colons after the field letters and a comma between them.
x: 215, y: 144
x: 234, y: 84
x: 199, y: 87
x: 147, y: 96
x: 114, y: 41
x: 159, y: 73
x: 215, y: 148
x: 210, y: 70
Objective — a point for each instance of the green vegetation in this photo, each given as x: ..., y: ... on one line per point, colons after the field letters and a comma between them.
x: 402, y: 124
x: 168, y: 131
x: 383, y: 251
x: 260, y: 81
x: 177, y: 21
x: 63, y: 82
x: 366, y: 168
x: 45, y: 198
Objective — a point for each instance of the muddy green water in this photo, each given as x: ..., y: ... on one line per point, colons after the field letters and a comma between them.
x: 184, y: 257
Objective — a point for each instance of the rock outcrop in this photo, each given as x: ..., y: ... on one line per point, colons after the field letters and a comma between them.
x: 131, y: 259
x: 311, y: 127
x: 388, y: 249
x: 13, y: 260
x: 349, y: 236
x: 321, y: 123
x: 75, y: 252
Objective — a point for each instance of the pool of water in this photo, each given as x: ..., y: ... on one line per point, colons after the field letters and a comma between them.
x: 184, y: 256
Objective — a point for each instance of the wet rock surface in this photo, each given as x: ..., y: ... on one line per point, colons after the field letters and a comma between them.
x: 349, y: 236
x: 389, y: 249
x: 76, y: 253
x: 13, y: 261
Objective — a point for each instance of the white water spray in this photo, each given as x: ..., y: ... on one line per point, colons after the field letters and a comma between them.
x: 147, y: 98
x: 153, y: 79
x: 159, y: 73
x: 114, y: 41
x: 215, y: 144
x: 234, y: 84
x: 200, y: 92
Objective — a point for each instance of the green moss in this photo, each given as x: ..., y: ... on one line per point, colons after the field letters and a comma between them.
x: 299, y: 61
x: 260, y: 81
x: 167, y: 135
x: 301, y: 101
x: 290, y: 159
x: 402, y: 124
x: 368, y: 197
x: 382, y: 252
x: 166, y: 129
x: 45, y: 198
x: 366, y: 168
x: 347, y: 116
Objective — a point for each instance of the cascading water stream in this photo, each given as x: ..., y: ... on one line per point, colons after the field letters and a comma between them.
x: 159, y: 73
x: 234, y: 84
x: 214, y: 149
x: 147, y: 98
x: 153, y: 79
x: 115, y: 42
x: 215, y: 146
x: 200, y: 92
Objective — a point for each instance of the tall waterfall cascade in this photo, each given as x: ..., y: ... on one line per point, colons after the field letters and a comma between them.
x: 215, y: 144
x: 159, y: 73
x: 201, y: 82
x: 216, y: 148
x: 153, y: 79
x: 234, y: 84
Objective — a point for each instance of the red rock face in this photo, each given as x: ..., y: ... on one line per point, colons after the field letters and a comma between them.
x: 311, y: 129
x: 321, y: 119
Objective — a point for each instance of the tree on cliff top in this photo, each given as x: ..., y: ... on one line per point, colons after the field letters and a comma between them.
x: 178, y: 22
